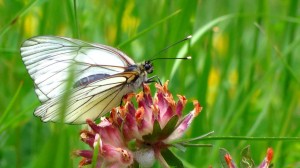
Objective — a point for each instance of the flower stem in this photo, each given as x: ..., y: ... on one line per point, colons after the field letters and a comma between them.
x: 161, y: 160
x: 95, y: 153
x: 251, y: 138
x: 196, y: 145
x: 194, y: 139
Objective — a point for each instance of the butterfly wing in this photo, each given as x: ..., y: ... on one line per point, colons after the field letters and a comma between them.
x: 90, y: 101
x: 48, y: 60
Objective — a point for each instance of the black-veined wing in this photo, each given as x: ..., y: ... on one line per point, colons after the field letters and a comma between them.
x: 49, y: 58
x: 100, y: 81
x: 90, y: 101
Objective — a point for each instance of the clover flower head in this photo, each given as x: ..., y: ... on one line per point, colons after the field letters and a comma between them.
x: 138, y: 134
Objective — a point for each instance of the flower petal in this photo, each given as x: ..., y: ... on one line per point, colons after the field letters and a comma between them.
x: 117, y: 156
x: 267, y: 161
x: 87, y: 137
x: 130, y: 128
x: 84, y: 162
x: 92, y: 125
x: 184, y: 123
x: 228, y: 160
x: 84, y: 153
x: 145, y: 126
x: 147, y: 95
x: 110, y: 134
x: 180, y: 104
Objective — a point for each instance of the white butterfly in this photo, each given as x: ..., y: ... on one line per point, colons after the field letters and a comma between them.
x: 103, y: 75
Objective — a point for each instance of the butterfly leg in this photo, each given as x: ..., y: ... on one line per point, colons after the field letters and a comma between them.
x: 152, y: 79
x: 121, y: 101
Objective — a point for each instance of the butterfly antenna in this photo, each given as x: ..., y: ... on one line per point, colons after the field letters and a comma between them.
x: 163, y: 50
x: 184, y: 58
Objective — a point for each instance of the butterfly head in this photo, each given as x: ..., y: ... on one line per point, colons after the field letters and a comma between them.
x: 148, y: 67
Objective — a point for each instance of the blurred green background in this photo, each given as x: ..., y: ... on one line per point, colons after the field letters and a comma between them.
x: 245, y: 71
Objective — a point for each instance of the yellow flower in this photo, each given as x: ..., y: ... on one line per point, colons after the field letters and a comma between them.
x: 213, y: 83
x: 30, y: 24
x: 111, y: 33
x: 63, y: 30
x: 130, y: 22
x: 220, y: 41
x: 233, y: 79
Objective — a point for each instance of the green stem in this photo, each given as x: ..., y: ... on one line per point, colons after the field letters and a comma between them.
x: 251, y: 138
x: 195, y: 139
x: 196, y: 145
x: 95, y: 154
x: 12, y: 102
x: 75, y: 19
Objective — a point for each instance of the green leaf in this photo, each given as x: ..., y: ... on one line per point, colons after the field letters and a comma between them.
x: 4, y: 115
x: 155, y: 133
x: 169, y: 128
x: 171, y: 159
x: 247, y: 161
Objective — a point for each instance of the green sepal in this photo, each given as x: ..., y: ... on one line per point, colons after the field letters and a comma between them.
x: 169, y: 128
x: 247, y: 161
x: 132, y: 145
x: 158, y: 133
x: 171, y: 159
x: 155, y: 133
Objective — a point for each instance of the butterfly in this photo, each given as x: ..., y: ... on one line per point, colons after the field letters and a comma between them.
x: 102, y: 76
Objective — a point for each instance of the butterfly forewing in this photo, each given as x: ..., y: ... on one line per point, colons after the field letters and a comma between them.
x: 49, y: 60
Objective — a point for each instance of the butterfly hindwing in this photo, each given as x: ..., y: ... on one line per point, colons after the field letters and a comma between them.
x: 90, y: 101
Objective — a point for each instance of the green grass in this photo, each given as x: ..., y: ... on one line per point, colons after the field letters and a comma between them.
x: 244, y: 71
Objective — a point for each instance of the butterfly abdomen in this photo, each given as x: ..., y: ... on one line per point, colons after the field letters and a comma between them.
x: 89, y: 79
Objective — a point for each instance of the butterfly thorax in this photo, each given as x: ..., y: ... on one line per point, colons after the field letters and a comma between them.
x: 139, y: 74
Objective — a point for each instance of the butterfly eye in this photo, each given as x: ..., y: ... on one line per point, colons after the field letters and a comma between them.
x: 148, y: 67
